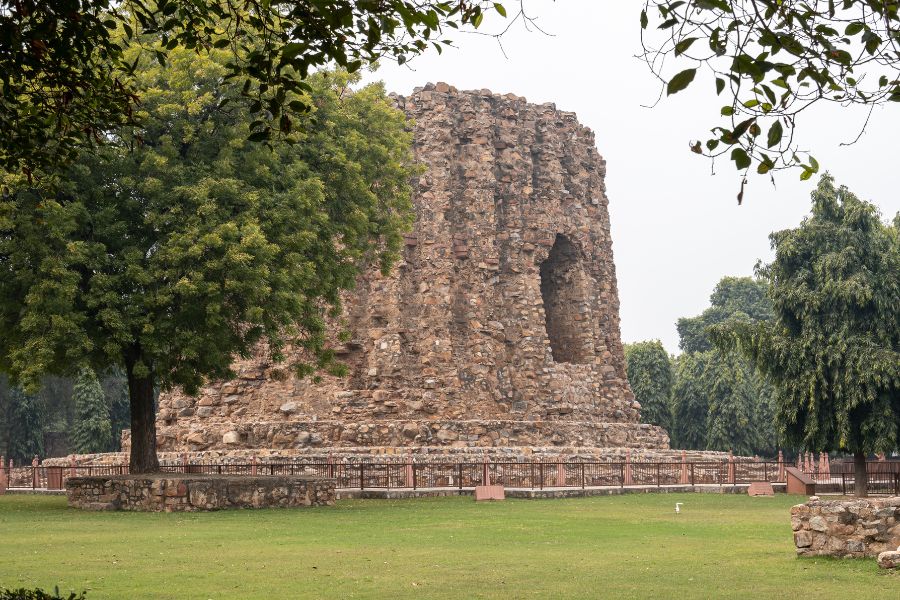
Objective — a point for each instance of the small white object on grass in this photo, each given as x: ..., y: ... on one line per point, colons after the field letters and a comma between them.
x: 678, y: 507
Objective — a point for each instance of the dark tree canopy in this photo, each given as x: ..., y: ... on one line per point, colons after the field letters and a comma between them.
x: 651, y: 376
x: 771, y: 60
x: 833, y: 347
x: 719, y: 400
x: 67, y: 72
x: 732, y: 298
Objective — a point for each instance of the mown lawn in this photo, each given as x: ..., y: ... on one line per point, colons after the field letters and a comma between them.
x: 617, y: 547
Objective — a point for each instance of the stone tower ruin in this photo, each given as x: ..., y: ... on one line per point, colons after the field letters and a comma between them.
x: 498, y: 328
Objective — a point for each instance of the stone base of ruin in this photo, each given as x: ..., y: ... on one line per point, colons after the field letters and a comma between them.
x: 190, y: 493
x: 402, y: 454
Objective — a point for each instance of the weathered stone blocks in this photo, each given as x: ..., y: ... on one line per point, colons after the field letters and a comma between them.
x: 188, y: 493
x: 862, y: 527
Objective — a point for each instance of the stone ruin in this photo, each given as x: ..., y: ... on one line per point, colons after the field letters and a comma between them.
x: 498, y: 329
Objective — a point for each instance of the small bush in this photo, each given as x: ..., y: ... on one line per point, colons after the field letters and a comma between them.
x: 38, y: 594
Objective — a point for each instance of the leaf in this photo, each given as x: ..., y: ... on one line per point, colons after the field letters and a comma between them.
x: 740, y: 158
x: 500, y: 9
x: 776, y: 132
x: 680, y: 81
x: 720, y: 85
x: 644, y: 19
x: 854, y: 28
x: 682, y: 46
x: 727, y: 111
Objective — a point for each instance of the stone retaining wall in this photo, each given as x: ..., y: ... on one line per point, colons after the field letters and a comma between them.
x: 173, y: 493
x: 861, y: 527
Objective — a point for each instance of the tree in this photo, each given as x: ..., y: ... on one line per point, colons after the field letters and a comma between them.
x: 690, y: 402
x: 651, y: 376
x: 92, y: 430
x: 181, y: 244
x: 732, y: 298
x: 23, y: 423
x: 720, y: 402
x: 833, y: 348
x: 728, y: 384
x: 68, y: 67
x: 772, y: 60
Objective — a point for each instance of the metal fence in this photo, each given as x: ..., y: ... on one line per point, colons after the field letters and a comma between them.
x: 884, y: 477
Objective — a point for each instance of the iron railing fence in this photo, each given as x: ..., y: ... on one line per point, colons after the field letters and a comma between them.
x: 883, y: 477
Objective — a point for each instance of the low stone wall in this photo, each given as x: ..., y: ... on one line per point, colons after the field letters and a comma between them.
x: 174, y: 493
x: 861, y: 527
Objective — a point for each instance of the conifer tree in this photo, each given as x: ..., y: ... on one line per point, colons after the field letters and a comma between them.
x: 91, y: 432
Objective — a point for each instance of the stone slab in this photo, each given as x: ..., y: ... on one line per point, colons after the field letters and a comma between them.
x: 489, y: 492
x: 760, y: 488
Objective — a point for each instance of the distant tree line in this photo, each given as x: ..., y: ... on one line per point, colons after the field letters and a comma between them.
x: 84, y: 415
x: 705, y: 398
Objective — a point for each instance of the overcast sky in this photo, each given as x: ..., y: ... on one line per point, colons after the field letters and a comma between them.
x: 676, y: 228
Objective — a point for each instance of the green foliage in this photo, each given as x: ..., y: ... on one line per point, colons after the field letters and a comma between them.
x: 38, y: 594
x: 181, y: 244
x: 68, y: 67
x: 690, y: 403
x: 719, y: 401
x: 774, y: 59
x: 832, y: 348
x: 740, y: 298
x: 651, y: 375
x: 92, y: 431
x: 23, y: 420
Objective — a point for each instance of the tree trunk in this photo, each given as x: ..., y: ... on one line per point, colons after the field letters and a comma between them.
x: 143, y: 420
x: 860, y: 476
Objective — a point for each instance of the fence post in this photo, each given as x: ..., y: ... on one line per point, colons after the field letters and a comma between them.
x: 253, y: 462
x: 541, y: 473
x: 3, y: 479
x: 582, y: 474
x: 765, y: 471
x: 34, y: 472
x: 460, y: 470
x: 362, y: 483
x: 658, y: 481
x: 622, y: 475
x: 843, y: 483
x: 692, y: 474
x: 415, y: 483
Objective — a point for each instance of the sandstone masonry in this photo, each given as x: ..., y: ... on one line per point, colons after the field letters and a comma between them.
x: 498, y: 328
x: 862, y: 527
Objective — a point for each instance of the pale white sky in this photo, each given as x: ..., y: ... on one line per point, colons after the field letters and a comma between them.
x: 676, y: 229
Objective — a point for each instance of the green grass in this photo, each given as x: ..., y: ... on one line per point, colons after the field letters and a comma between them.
x: 615, y: 547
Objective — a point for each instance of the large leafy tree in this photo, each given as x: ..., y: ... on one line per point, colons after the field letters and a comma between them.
x: 92, y: 431
x: 181, y: 243
x: 833, y: 348
x: 732, y: 298
x: 720, y: 402
x: 651, y: 376
x: 67, y: 65
x: 771, y: 60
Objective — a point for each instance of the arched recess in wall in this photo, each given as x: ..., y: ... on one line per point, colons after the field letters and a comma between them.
x: 566, y: 308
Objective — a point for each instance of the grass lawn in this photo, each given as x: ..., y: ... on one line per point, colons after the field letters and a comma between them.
x: 615, y: 547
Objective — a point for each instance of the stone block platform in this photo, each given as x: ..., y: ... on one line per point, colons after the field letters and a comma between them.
x: 170, y: 492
